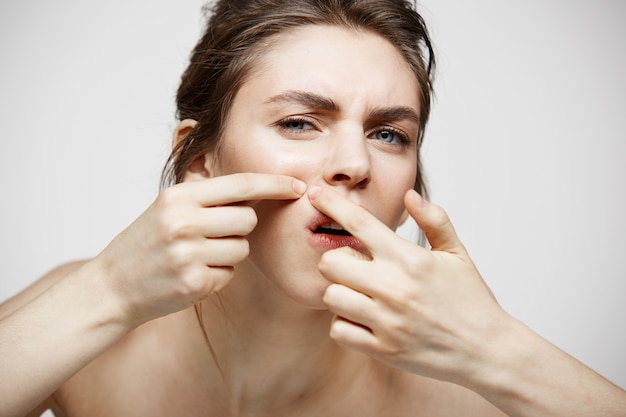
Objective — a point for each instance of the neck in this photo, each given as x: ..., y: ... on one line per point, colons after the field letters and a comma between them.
x: 270, y: 351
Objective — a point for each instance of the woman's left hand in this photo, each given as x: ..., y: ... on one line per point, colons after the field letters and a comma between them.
x: 427, y: 311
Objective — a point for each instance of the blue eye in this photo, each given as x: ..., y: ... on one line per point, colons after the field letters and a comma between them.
x: 388, y: 136
x: 296, y: 125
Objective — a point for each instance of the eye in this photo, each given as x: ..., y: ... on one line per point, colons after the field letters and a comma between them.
x: 389, y: 135
x: 295, y: 124
x: 298, y: 127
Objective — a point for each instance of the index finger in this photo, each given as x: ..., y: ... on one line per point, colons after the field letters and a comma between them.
x: 240, y: 187
x: 370, y: 231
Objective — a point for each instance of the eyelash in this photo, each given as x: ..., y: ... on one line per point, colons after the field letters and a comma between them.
x: 403, y: 139
x: 284, y: 124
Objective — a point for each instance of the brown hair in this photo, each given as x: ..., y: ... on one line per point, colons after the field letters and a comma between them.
x: 239, y: 31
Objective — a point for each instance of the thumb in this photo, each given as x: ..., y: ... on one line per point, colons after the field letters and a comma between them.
x: 435, y: 223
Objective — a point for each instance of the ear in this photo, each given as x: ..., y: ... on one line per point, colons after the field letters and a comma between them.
x: 198, y: 168
x: 182, y: 130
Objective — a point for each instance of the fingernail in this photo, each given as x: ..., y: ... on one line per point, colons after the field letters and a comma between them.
x: 314, y: 192
x: 299, y: 186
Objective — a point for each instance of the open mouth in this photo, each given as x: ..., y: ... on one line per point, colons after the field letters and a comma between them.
x: 328, y: 234
x: 332, y: 229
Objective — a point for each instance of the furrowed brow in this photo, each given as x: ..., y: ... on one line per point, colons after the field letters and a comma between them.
x: 306, y: 99
x: 395, y: 113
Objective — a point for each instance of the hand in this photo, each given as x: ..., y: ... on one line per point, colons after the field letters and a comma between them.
x: 185, y: 245
x: 425, y: 311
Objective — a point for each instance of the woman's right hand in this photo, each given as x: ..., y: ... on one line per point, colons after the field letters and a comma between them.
x: 185, y: 245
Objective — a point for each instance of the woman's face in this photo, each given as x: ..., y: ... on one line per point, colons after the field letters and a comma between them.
x: 335, y: 108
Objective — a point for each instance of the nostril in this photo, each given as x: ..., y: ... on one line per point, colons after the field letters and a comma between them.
x: 363, y: 182
x: 341, y: 177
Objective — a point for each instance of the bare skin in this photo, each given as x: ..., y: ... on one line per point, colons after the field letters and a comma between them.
x: 300, y: 320
x: 186, y: 381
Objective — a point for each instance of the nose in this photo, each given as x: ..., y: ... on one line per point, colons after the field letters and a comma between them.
x: 348, y: 163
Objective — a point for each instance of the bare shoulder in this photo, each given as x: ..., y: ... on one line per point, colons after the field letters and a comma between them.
x: 42, y: 284
x: 152, y: 371
x: 430, y: 397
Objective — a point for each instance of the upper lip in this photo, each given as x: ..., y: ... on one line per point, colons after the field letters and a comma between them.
x: 322, y: 220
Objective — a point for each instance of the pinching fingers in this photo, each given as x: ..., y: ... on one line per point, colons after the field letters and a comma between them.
x: 370, y: 231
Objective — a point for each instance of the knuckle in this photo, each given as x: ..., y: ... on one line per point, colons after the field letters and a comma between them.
x: 359, y: 221
x: 283, y: 183
x: 339, y: 330
x: 179, y: 256
x: 392, y: 351
x: 175, y: 228
x: 331, y: 256
x: 336, y: 332
x: 243, y: 248
x: 331, y: 293
x: 233, y: 250
x: 327, y: 260
x: 195, y: 284
x: 220, y: 276
x: 439, y: 216
x: 168, y: 197
x: 244, y: 184
x: 249, y: 219
x: 203, y: 280
x: 169, y: 222
x: 417, y: 262
x: 411, y: 302
x: 401, y: 298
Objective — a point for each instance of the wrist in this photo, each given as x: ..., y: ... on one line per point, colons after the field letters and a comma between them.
x: 501, y: 362
x: 104, y: 299
x: 524, y: 375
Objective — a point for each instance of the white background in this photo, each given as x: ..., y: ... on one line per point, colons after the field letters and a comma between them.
x: 526, y: 147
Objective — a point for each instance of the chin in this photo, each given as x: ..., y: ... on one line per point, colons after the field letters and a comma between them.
x: 306, y: 289
x: 294, y: 285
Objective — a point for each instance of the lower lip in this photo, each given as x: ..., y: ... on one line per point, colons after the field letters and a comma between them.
x: 329, y: 242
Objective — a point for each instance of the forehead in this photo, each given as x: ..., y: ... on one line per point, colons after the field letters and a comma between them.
x: 335, y: 62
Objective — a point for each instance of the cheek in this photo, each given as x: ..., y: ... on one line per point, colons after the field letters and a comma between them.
x: 391, y: 182
x: 268, y: 157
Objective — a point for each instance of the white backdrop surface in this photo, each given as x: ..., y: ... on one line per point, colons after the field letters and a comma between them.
x: 525, y: 149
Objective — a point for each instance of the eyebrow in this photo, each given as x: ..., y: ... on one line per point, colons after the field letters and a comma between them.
x: 316, y: 101
x: 395, y: 113
x: 311, y: 100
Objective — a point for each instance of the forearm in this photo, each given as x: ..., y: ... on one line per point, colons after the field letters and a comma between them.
x: 52, y: 337
x: 524, y: 375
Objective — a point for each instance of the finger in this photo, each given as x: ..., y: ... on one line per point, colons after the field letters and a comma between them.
x: 372, y: 233
x: 351, y: 268
x: 242, y: 187
x: 223, y: 221
x: 350, y: 304
x: 204, y: 280
x: 220, y: 276
x: 435, y: 223
x: 225, y: 251
x: 352, y: 335
x: 213, y: 222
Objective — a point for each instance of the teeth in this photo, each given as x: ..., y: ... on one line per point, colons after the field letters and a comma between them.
x: 333, y: 226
